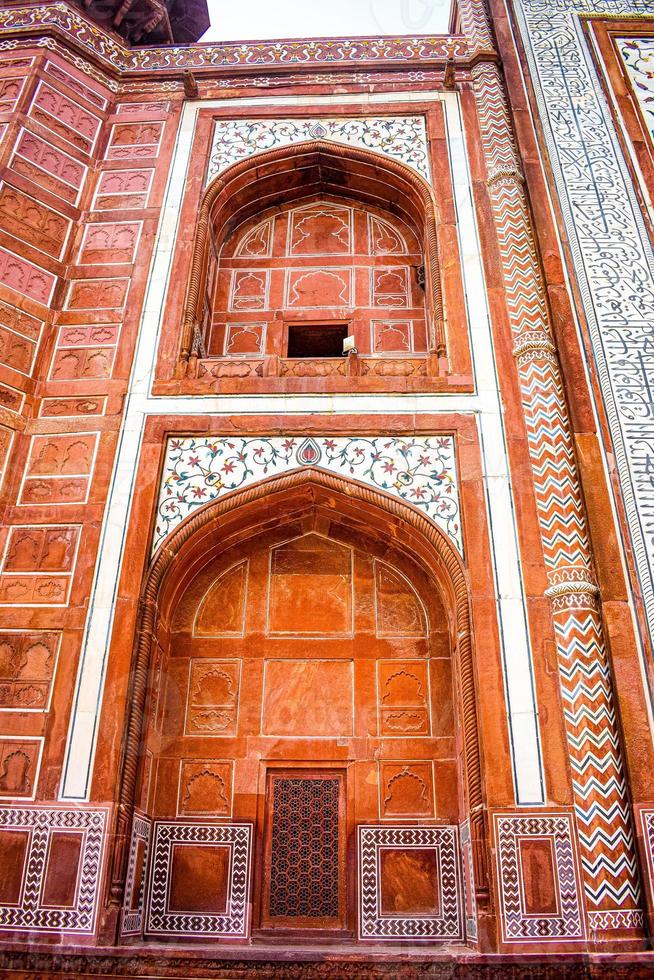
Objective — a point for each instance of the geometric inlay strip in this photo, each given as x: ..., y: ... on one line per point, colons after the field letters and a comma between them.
x: 519, y: 922
x: 39, y: 824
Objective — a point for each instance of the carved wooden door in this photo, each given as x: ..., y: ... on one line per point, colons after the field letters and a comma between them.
x: 304, y: 855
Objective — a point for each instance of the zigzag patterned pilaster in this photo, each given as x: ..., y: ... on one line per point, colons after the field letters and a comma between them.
x: 475, y: 26
x: 604, y: 824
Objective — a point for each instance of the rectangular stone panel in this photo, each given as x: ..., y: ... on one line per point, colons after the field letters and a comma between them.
x: 19, y: 767
x: 11, y: 398
x: 16, y: 352
x: 409, y: 884
x: 124, y: 189
x: 205, y: 789
x: 10, y: 92
x: 62, y: 869
x: 406, y: 790
x: 403, y: 698
x: 60, y: 114
x: 212, y: 700
x: 13, y: 854
x: 311, y: 289
x: 199, y: 879
x: 83, y: 364
x: 134, y: 141
x: 97, y: 294
x: 27, y: 667
x: 308, y: 698
x: 76, y: 84
x: 310, y: 588
x: 59, y: 469
x: 110, y: 243
x: 37, y: 564
x: 538, y: 876
x: 32, y: 222
x: 409, y: 881
x: 49, y: 167
x: 26, y: 278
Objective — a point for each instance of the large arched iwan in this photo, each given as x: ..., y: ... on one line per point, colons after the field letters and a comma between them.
x: 241, y: 515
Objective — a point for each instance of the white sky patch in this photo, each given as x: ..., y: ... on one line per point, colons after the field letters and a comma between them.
x: 260, y: 20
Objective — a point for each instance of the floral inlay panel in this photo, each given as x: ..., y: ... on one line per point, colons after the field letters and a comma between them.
x: 638, y: 56
x: 421, y: 471
x: 403, y: 138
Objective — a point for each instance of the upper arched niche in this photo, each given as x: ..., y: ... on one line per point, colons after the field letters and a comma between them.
x: 308, y: 172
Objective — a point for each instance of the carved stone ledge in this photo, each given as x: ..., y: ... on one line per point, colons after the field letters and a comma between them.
x: 574, y: 590
x: 536, y: 342
x: 505, y: 175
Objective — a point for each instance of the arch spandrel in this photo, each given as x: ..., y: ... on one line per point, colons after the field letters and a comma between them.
x: 421, y: 470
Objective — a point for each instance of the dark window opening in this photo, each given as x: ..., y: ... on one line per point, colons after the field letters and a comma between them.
x: 316, y: 339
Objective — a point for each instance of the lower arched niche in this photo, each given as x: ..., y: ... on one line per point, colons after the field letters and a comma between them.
x: 302, y: 709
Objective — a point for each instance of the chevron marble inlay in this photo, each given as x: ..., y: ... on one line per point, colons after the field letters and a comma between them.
x: 41, y: 823
x: 132, y: 923
x: 519, y: 923
x: 374, y: 922
x: 234, y: 922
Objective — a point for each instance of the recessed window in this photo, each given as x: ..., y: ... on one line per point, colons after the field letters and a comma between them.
x: 316, y: 339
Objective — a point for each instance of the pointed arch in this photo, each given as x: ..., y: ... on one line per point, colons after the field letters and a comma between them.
x: 249, y: 511
x: 291, y: 173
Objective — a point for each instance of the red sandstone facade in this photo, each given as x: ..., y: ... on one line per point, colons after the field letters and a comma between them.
x: 313, y: 663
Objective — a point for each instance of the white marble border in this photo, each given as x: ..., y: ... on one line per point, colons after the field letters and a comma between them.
x: 485, y: 405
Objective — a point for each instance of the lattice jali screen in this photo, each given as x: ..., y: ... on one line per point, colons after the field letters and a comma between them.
x: 304, y: 848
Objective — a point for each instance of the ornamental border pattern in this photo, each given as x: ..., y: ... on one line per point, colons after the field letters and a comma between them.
x: 468, y: 878
x: 616, y: 280
x: 41, y: 822
x: 647, y: 824
x: 273, y: 54
x: 421, y: 471
x: 608, y: 861
x: 235, y: 921
x: 374, y: 924
x: 402, y: 138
